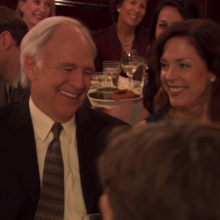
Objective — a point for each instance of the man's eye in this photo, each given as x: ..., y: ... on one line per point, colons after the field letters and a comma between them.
x: 143, y: 6
x: 88, y: 73
x: 48, y: 4
x: 67, y: 70
x: 184, y: 65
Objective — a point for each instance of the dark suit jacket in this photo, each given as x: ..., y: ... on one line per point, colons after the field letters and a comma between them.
x: 19, y: 174
x: 109, y: 47
x: 20, y: 95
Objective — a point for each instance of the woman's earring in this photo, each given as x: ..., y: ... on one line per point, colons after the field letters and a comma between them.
x: 212, y: 80
x: 118, y: 10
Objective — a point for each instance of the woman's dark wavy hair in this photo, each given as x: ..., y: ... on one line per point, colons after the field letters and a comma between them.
x: 113, y: 8
x: 186, y: 8
x: 204, y: 36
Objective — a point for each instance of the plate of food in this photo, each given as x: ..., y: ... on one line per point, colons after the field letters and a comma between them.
x: 111, y: 94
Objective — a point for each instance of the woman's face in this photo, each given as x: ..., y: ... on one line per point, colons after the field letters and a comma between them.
x: 131, y: 12
x: 168, y: 15
x: 184, y: 75
x: 35, y: 11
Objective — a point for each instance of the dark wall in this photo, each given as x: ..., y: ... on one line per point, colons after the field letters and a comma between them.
x: 95, y: 13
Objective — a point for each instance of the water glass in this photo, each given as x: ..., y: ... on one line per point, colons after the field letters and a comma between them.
x: 98, y: 77
x: 111, y: 70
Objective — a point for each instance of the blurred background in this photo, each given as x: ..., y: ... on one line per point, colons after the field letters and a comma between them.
x: 95, y: 13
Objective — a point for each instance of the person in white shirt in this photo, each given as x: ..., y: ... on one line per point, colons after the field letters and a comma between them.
x: 56, y: 63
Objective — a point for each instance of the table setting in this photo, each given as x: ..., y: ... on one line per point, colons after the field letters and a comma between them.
x: 109, y: 89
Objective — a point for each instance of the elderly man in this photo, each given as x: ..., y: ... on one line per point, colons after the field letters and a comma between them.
x: 48, y: 145
x: 12, y: 30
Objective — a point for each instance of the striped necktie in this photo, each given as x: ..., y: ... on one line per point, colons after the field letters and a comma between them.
x: 51, y: 202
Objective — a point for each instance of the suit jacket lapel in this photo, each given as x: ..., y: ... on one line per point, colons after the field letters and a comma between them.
x: 20, y: 144
x: 3, y: 93
x: 86, y: 134
x: 19, y: 95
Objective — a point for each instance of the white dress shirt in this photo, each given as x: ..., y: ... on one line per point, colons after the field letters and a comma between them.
x: 74, y: 207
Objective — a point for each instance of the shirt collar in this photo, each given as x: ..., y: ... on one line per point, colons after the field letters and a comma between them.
x: 42, y: 123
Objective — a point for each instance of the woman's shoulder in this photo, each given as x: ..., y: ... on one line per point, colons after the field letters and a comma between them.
x: 102, y: 33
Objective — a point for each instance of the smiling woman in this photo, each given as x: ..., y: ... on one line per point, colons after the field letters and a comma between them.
x: 34, y: 11
x: 187, y: 66
x: 125, y: 33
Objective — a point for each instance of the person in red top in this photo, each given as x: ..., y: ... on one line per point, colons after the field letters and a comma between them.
x: 124, y: 33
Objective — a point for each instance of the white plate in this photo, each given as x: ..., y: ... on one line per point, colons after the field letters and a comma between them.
x: 112, y: 101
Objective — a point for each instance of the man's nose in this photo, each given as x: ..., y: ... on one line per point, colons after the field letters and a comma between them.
x: 76, y: 79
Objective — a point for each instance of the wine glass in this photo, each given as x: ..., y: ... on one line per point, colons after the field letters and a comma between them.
x: 129, y: 63
x: 96, y: 216
x: 111, y: 70
x: 138, y: 75
x: 99, y: 77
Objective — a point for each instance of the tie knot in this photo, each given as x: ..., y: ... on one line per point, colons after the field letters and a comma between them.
x: 56, y: 129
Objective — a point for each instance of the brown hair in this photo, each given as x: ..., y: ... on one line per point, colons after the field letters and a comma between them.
x: 169, y: 170
x: 52, y: 8
x: 10, y: 22
x: 204, y: 36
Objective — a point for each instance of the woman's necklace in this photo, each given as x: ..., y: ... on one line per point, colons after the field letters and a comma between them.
x: 126, y: 44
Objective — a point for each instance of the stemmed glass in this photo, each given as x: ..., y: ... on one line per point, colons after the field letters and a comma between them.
x: 111, y: 70
x: 98, y: 76
x: 129, y: 63
x: 139, y: 74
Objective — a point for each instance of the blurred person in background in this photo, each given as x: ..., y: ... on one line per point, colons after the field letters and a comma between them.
x: 166, y: 13
x: 168, y: 170
x: 187, y: 66
x: 12, y: 31
x: 34, y: 11
x: 125, y: 33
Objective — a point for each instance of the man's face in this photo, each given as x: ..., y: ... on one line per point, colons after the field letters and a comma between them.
x: 61, y: 79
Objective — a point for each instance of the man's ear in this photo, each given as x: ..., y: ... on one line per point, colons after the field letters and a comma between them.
x: 21, y: 5
x: 30, y: 67
x: 6, y: 40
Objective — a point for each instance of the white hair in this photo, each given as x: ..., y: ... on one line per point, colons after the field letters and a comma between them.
x: 40, y: 34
